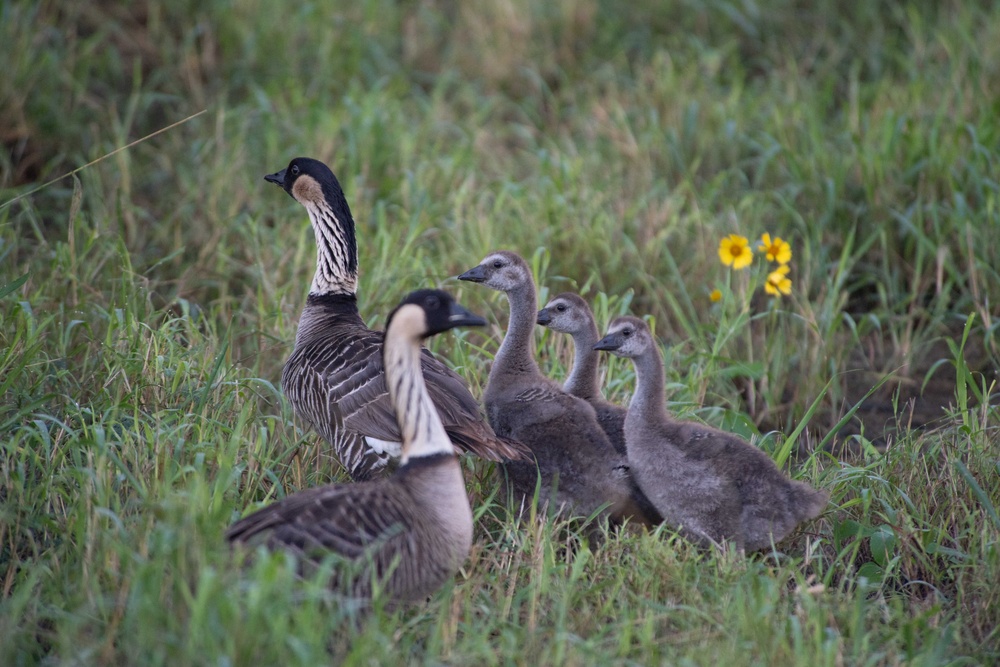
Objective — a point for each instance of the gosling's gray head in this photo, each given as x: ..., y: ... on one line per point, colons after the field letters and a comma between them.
x: 566, y: 313
x: 502, y: 270
x: 627, y: 337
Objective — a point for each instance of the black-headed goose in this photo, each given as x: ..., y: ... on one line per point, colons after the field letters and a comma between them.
x: 333, y: 378
x: 410, y: 531
x: 711, y: 484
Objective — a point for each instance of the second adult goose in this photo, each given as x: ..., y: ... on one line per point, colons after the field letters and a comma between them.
x: 573, y: 453
x: 333, y: 378
x: 409, y: 532
x: 711, y: 484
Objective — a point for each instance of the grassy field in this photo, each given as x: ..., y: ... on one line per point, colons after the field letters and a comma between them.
x: 147, y: 304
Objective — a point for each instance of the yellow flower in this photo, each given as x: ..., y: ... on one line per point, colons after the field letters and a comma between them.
x: 778, y: 282
x: 716, y: 295
x: 776, y: 251
x: 734, y: 251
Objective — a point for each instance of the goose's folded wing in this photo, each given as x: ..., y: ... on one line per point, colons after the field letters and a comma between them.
x: 353, y: 379
x: 359, y: 389
x: 347, y: 519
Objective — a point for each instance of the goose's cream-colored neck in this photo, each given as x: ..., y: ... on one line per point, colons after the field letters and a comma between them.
x: 423, y: 433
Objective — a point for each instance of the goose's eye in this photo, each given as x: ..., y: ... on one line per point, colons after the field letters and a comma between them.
x: 561, y: 307
x: 497, y: 264
x: 626, y: 332
x: 432, y: 303
x: 295, y: 170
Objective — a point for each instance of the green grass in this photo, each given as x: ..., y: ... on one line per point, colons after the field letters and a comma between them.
x: 146, y: 307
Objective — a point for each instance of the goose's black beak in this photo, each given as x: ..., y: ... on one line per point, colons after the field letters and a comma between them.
x: 460, y: 317
x: 476, y: 274
x: 609, y: 343
x: 278, y: 178
x: 544, y: 318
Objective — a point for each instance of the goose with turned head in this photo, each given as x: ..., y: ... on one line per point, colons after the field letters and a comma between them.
x: 334, y: 376
x: 711, y: 484
x: 572, y: 452
x: 411, y: 531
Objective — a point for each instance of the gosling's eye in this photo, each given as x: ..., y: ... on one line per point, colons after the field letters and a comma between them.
x: 561, y: 307
x: 626, y: 332
x: 497, y: 264
x: 295, y: 170
x: 432, y: 303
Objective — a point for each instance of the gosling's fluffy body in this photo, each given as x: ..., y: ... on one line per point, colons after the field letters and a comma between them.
x: 572, y: 452
x: 712, y: 485
x: 333, y: 378
x: 409, y: 532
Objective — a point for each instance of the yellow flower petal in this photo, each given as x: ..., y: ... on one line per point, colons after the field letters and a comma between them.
x: 716, y: 295
x: 734, y: 251
x: 778, y: 282
x: 775, y: 250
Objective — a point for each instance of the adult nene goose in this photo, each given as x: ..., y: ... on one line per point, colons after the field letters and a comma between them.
x: 572, y: 452
x: 333, y: 378
x: 710, y: 484
x: 409, y: 532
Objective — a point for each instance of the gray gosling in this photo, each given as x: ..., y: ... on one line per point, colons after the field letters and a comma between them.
x: 711, y: 485
x: 333, y: 378
x: 568, y: 313
x: 409, y: 532
x: 572, y: 452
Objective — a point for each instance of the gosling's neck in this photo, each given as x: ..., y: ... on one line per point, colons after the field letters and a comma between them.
x: 515, y: 354
x: 582, y: 380
x: 649, y: 401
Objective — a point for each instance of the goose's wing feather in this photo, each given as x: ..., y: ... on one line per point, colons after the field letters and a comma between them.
x: 347, y: 519
x: 354, y: 380
x: 367, y: 409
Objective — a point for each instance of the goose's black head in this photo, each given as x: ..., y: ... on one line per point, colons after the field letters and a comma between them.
x: 310, y: 181
x: 427, y: 312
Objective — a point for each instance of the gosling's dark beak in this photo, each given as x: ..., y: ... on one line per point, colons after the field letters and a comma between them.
x: 460, y: 317
x: 609, y: 343
x: 278, y: 178
x: 476, y: 274
x: 543, y: 317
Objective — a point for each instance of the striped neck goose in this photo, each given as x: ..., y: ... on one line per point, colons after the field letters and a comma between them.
x: 568, y: 313
x: 412, y: 530
x: 573, y: 453
x: 713, y: 485
x: 333, y: 378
